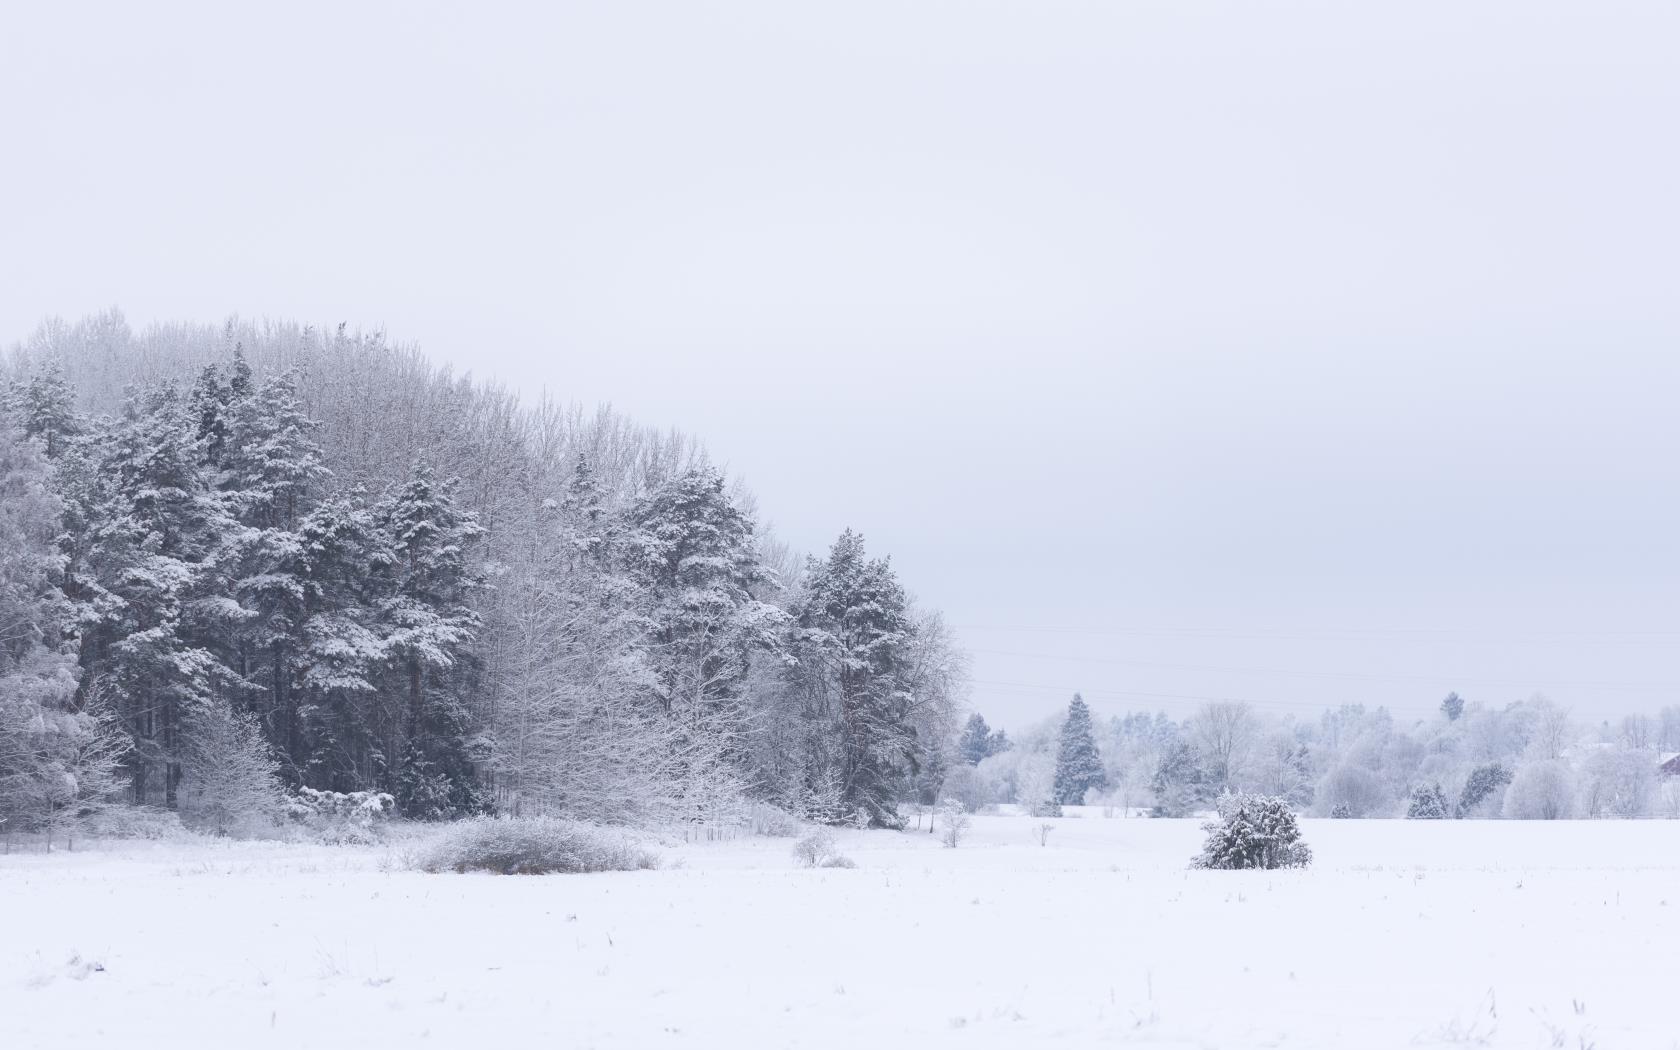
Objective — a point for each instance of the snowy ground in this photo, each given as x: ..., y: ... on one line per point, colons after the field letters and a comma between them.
x: 1403, y: 934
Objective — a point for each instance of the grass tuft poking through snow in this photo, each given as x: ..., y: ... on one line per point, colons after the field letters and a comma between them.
x: 530, y: 846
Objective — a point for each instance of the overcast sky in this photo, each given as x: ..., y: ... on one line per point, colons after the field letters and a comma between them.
x: 1304, y: 353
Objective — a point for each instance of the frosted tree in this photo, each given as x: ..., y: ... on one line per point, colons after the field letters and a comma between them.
x: 341, y: 737
x: 148, y: 579
x: 851, y: 645
x: 1541, y: 791
x: 1225, y: 733
x: 1452, y: 707
x: 1480, y: 786
x: 428, y: 626
x: 1352, y: 790
x: 44, y: 406
x: 1427, y: 802
x: 58, y: 754
x: 979, y: 741
x: 1079, y: 767
x: 1180, y: 784
x: 692, y: 551
x: 230, y: 779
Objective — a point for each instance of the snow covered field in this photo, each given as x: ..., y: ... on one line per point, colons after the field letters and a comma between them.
x: 1402, y: 934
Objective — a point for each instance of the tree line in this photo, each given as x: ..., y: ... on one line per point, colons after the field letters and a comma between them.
x: 1528, y: 759
x: 262, y: 558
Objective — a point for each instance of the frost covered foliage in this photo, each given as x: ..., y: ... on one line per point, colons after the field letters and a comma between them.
x: 1180, y: 784
x: 818, y: 850
x: 530, y: 846
x: 59, y: 754
x: 955, y: 822
x: 340, y: 817
x: 1427, y: 802
x: 1541, y: 791
x: 231, y: 781
x: 1253, y: 831
x: 1352, y: 791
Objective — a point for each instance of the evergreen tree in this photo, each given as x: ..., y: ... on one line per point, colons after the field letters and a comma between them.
x: 976, y: 743
x: 150, y: 583
x: 1180, y: 784
x: 1427, y: 802
x: 1452, y: 707
x: 1079, y: 767
x: 691, y: 549
x: 208, y: 407
x: 45, y: 407
x: 58, y: 757
x: 341, y: 736
x: 980, y: 742
x: 1483, y: 781
x: 429, y: 626
x: 270, y: 467
x: 850, y: 642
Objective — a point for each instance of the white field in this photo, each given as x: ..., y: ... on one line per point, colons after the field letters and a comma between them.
x: 1403, y: 934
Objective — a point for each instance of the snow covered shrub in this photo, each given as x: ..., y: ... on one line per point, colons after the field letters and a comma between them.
x: 136, y: 822
x: 770, y: 822
x: 836, y: 861
x: 231, y: 783
x: 1253, y: 831
x: 530, y: 846
x: 812, y: 849
x: 341, y: 818
x: 956, y: 823
x: 1427, y: 802
x: 1481, y: 786
x: 1541, y: 791
x: 1341, y: 811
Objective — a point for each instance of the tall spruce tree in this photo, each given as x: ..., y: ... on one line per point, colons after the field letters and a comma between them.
x: 851, y: 641
x: 1079, y: 767
x: 151, y: 583
x: 429, y: 627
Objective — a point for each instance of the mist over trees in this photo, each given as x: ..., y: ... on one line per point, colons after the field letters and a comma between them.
x: 248, y: 560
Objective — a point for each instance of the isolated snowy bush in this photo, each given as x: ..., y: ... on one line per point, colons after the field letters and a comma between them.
x: 956, y: 823
x: 1541, y: 791
x: 530, y: 846
x: 1427, y: 802
x: 1253, y: 831
x: 811, y: 849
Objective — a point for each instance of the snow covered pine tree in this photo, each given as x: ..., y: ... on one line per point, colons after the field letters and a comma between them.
x: 1079, y: 767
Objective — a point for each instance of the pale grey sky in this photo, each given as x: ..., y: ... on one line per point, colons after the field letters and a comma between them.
x: 1304, y: 353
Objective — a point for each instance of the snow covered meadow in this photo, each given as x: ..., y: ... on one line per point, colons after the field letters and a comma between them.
x: 1401, y: 934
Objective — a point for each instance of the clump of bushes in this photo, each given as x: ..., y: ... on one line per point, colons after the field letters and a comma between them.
x: 1253, y: 831
x: 817, y: 850
x: 530, y: 846
x: 341, y: 818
